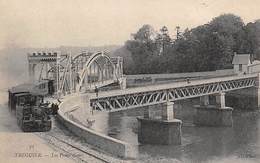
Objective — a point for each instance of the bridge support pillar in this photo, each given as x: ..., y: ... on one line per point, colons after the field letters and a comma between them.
x: 214, y: 115
x: 167, y: 111
x: 123, y: 83
x: 148, y: 113
x: 166, y: 130
x: 220, y: 100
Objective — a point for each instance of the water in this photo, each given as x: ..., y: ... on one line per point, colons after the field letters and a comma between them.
x: 240, y: 143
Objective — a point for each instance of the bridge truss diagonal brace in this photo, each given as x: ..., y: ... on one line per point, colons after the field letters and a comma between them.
x: 140, y: 99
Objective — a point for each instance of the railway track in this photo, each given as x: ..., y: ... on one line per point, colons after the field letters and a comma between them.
x: 74, y: 147
x: 77, y: 152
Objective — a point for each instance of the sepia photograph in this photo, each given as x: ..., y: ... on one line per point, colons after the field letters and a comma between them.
x: 130, y: 81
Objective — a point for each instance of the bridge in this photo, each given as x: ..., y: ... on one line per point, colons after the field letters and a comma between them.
x: 87, y: 71
x: 76, y: 73
x: 167, y: 130
x: 156, y: 94
x: 84, y: 72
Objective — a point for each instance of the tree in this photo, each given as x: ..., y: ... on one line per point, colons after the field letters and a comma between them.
x: 163, y: 40
x: 252, y: 39
x: 142, y: 48
x: 207, y: 47
x: 145, y: 34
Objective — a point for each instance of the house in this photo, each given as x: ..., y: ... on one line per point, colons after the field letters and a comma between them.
x: 241, y: 63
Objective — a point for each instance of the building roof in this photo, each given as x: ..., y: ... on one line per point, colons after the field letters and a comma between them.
x: 28, y: 88
x: 241, y: 59
x: 22, y: 88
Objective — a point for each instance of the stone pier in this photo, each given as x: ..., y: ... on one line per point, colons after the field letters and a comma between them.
x: 166, y: 130
x: 213, y: 115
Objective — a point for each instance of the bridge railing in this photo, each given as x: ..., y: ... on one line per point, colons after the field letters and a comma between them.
x: 137, y: 97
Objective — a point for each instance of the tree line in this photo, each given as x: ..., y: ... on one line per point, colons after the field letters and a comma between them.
x: 204, y: 48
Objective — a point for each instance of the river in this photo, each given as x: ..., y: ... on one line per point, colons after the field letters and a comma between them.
x: 240, y: 143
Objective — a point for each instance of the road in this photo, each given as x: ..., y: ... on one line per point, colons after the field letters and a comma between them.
x: 20, y: 147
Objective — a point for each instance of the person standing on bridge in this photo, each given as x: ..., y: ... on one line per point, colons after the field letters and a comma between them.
x: 188, y: 80
x: 96, y: 90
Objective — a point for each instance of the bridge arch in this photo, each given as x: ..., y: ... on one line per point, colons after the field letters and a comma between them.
x: 97, y: 69
x: 79, y: 60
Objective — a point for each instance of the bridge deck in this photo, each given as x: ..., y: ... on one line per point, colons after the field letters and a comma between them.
x: 172, y: 85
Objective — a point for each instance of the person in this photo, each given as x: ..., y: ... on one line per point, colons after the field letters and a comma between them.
x: 52, y: 108
x: 77, y: 78
x: 56, y: 108
x: 96, y: 90
x: 188, y: 80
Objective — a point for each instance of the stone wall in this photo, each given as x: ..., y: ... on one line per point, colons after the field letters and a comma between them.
x: 98, y: 140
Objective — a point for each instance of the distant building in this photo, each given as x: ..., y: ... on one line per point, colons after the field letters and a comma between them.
x: 241, y: 63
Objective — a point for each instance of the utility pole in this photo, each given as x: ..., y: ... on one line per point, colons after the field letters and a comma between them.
x: 164, y: 37
x: 70, y: 73
x: 178, y: 33
x: 58, y: 74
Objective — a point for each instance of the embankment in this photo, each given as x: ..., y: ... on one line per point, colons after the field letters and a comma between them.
x: 98, y: 140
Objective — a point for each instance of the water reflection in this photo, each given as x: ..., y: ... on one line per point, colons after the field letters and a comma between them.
x: 199, y: 144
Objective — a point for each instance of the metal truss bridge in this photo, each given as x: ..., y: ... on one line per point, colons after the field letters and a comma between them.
x: 75, y: 73
x: 156, y: 94
x: 86, y: 71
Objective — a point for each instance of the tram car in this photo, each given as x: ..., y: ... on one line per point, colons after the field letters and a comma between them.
x: 27, y: 101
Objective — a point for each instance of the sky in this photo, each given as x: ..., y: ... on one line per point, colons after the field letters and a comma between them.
x: 52, y: 23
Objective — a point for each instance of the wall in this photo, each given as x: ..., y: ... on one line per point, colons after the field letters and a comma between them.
x: 98, y: 140
x: 254, y: 68
x: 245, y: 68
